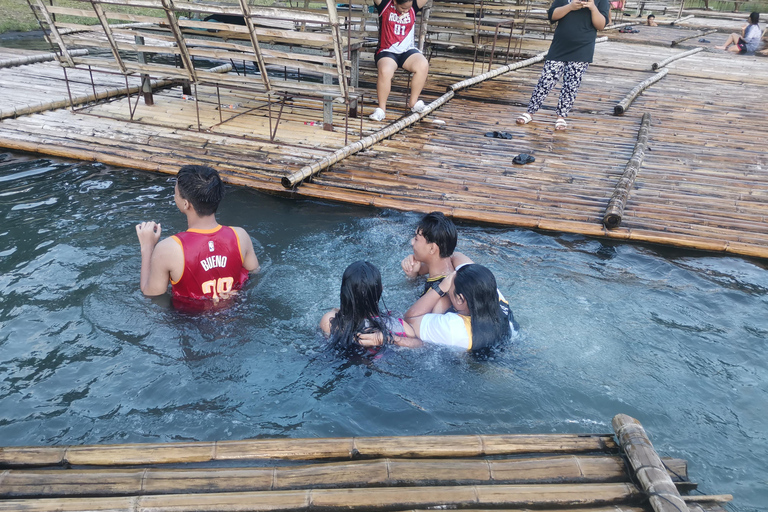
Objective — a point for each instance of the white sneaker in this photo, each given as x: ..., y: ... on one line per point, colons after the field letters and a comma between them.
x: 378, y: 115
x: 419, y: 107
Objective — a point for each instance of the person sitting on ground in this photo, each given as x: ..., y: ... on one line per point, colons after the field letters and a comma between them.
x: 359, y: 312
x: 569, y: 55
x: 433, y: 247
x: 651, y: 21
x: 749, y: 39
x: 208, y: 262
x: 397, y: 49
x: 479, y: 317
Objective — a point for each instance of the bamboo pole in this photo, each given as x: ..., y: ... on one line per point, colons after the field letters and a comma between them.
x: 615, y: 208
x: 348, y: 499
x: 90, y: 97
x: 33, y: 59
x: 656, y: 65
x: 685, y: 38
x: 303, y: 449
x: 648, y: 468
x: 380, y: 472
x: 624, y: 104
x: 621, y: 25
x: 679, y: 19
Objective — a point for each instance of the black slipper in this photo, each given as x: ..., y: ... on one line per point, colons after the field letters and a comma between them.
x: 522, y: 159
x: 702, y: 40
x: 499, y: 135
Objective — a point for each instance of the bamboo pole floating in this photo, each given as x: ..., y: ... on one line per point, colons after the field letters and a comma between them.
x: 700, y: 34
x: 88, y: 98
x: 379, y: 498
x: 615, y: 209
x: 656, y: 65
x: 304, y: 449
x: 33, y: 59
x: 621, y: 25
x: 380, y: 472
x: 624, y: 104
x: 648, y: 468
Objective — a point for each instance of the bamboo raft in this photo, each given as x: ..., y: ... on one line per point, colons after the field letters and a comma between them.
x: 701, y: 185
x: 594, y: 472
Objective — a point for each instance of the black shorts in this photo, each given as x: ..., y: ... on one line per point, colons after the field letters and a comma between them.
x: 400, y: 58
x: 742, y: 44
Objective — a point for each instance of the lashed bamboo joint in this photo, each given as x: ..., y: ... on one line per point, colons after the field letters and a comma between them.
x: 556, y: 472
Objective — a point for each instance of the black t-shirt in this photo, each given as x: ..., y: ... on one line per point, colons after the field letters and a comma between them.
x: 574, y: 39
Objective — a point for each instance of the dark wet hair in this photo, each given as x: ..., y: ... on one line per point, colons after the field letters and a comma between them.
x: 651, y: 16
x: 401, y: 2
x: 490, y: 324
x: 359, y: 306
x: 202, y: 187
x: 438, y: 229
x: 754, y: 18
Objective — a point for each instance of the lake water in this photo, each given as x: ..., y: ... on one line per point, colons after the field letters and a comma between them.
x: 676, y: 339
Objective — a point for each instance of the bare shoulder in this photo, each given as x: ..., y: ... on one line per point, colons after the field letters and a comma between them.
x: 325, y: 322
x: 458, y: 259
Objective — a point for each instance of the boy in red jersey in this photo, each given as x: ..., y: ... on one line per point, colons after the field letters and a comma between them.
x: 208, y: 262
x: 397, y: 49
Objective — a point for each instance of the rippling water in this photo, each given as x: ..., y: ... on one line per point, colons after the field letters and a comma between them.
x: 675, y: 339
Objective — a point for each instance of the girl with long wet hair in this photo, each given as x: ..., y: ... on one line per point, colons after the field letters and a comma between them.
x: 359, y: 312
x: 479, y: 317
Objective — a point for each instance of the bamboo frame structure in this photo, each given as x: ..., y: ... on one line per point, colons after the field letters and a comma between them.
x: 624, y: 104
x: 615, y: 209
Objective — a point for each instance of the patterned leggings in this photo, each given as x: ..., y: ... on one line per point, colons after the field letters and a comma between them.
x: 574, y: 72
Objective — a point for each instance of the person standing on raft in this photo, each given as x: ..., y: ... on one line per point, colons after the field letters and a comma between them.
x: 397, y: 49
x: 571, y: 52
x: 208, y: 262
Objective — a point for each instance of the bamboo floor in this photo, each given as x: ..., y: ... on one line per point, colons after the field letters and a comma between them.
x: 702, y: 184
x: 619, y: 472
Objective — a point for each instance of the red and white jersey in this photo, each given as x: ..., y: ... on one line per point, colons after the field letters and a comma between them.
x: 396, y: 31
x: 213, y: 264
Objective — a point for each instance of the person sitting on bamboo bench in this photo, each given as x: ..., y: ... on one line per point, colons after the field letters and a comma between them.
x: 208, y: 262
x: 397, y: 49
x: 479, y: 317
x: 433, y: 254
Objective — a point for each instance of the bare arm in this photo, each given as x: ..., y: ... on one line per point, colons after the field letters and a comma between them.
x: 427, y: 303
x: 157, y: 259
x: 250, y: 261
x: 458, y: 259
x: 598, y: 19
x: 412, y: 268
x: 420, y: 3
x: 374, y: 339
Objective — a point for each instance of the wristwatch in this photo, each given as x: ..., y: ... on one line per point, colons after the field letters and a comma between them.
x: 436, y: 287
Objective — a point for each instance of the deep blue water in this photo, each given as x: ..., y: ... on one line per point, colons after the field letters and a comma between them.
x: 675, y: 339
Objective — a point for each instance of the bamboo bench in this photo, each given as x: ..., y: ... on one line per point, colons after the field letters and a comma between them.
x: 163, y: 43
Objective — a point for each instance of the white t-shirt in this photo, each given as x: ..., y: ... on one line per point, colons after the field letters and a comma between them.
x: 450, y: 329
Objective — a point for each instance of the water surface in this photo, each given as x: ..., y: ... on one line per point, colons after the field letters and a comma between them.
x: 675, y: 339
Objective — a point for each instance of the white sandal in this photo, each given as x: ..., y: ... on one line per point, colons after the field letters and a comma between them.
x: 524, y: 118
x: 560, y: 124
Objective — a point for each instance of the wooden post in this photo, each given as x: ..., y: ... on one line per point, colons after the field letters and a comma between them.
x: 648, y: 468
x: 146, y: 84
x: 615, y: 208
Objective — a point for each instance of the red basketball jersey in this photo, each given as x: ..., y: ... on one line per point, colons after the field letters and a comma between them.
x: 213, y: 264
x: 396, y: 32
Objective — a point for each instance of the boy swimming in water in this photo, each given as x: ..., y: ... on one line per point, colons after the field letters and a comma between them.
x: 433, y: 252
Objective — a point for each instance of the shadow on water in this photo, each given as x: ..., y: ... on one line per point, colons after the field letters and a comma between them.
x: 674, y: 338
